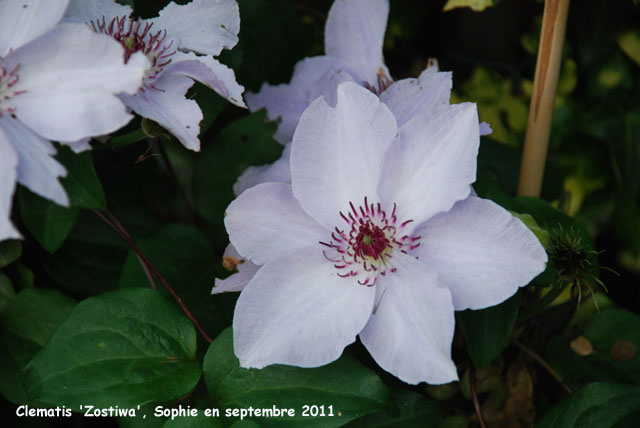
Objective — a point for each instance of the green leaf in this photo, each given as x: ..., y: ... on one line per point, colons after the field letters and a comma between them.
x: 615, y: 337
x: 600, y: 405
x: 487, y: 331
x: 179, y: 251
x: 352, y: 389
x: 187, y: 261
x: 551, y: 218
x: 6, y: 292
x: 542, y: 234
x: 247, y: 141
x: 11, y: 376
x: 477, y: 5
x: 49, y: 223
x: 91, y: 259
x: 210, y: 103
x: 82, y: 183
x: 10, y: 251
x: 126, y: 139
x: 415, y: 410
x: 123, y: 348
x: 31, y: 318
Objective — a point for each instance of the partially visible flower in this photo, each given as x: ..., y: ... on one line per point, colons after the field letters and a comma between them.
x: 353, y: 39
x: 354, y: 34
x: 57, y: 82
x: 244, y: 270
x: 377, y: 236
x: 171, y: 42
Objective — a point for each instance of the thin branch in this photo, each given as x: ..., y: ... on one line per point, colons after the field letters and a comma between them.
x: 545, y: 83
x: 537, y: 358
x: 474, y: 393
x: 111, y: 220
x: 191, y: 212
x: 147, y: 273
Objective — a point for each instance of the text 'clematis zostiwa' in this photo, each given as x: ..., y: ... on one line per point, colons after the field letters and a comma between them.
x: 171, y: 42
x: 57, y: 82
x: 377, y: 236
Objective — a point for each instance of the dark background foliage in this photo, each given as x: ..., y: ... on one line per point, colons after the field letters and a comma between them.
x: 172, y: 201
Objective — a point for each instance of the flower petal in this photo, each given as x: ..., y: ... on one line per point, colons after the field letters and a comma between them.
x: 85, y: 11
x: 209, y: 72
x: 297, y: 311
x: 237, y: 281
x: 432, y: 163
x: 8, y: 175
x: 204, y: 26
x: 80, y: 145
x: 408, y: 97
x: 485, y: 129
x: 26, y: 20
x: 37, y: 168
x: 167, y: 105
x: 337, y: 153
x: 266, y: 221
x: 411, y: 330
x: 278, y: 172
x: 312, y: 77
x: 354, y: 32
x: 71, y: 76
x: 481, y: 252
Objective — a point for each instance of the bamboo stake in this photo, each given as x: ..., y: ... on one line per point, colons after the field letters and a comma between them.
x: 554, y: 23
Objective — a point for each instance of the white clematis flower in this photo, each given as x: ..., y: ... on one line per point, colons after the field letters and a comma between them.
x: 377, y: 236
x: 354, y: 34
x: 57, y: 82
x: 171, y: 42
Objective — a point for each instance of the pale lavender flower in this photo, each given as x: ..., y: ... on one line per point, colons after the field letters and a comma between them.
x: 171, y: 42
x: 354, y: 34
x: 57, y: 82
x: 377, y: 236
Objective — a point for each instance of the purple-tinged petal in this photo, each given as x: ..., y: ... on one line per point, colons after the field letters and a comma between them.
x: 237, y: 281
x: 80, y: 145
x: 409, y: 97
x: 337, y: 153
x: 312, y: 77
x: 411, y: 330
x: 485, y: 129
x: 354, y: 32
x: 204, y: 26
x: 481, y: 252
x: 266, y: 221
x: 25, y: 20
x: 432, y: 163
x: 71, y: 77
x: 85, y: 11
x: 209, y: 72
x: 278, y: 172
x: 37, y: 168
x: 167, y: 105
x: 297, y: 311
x: 8, y: 176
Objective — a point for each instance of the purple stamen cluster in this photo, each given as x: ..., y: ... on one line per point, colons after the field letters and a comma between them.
x: 135, y: 36
x: 368, y: 246
x: 8, y: 78
x: 381, y: 85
